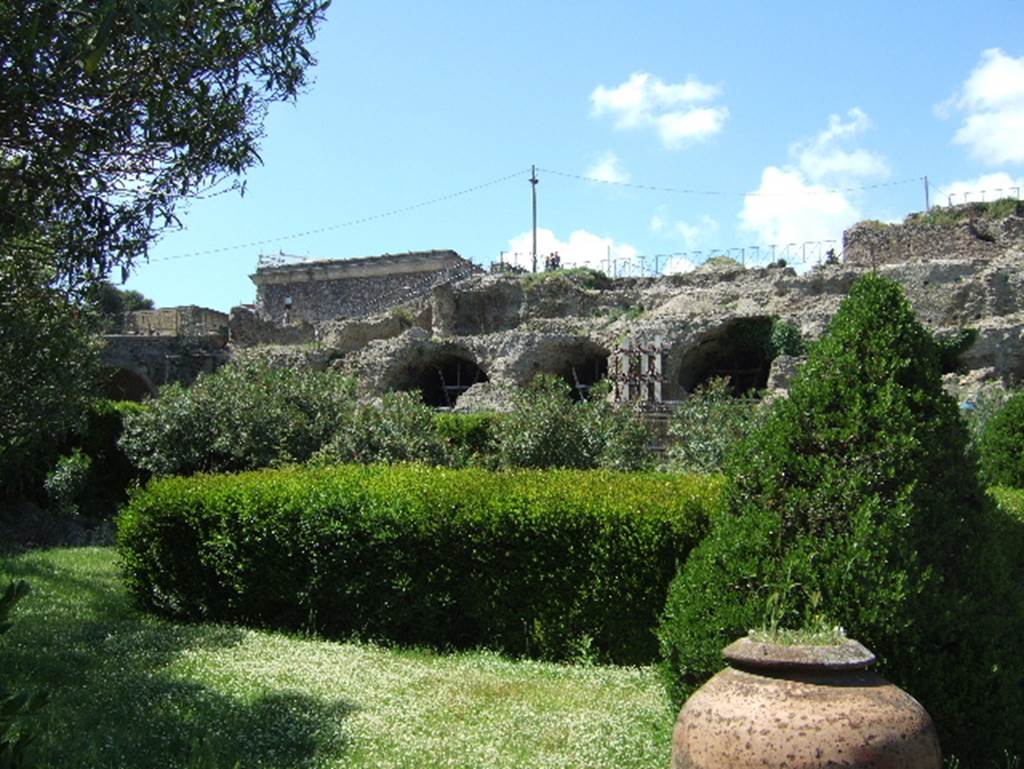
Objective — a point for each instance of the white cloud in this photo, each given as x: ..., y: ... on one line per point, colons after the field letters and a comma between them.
x: 823, y: 156
x: 698, y: 232
x: 608, y: 168
x: 582, y: 249
x: 673, y: 109
x: 787, y: 208
x: 677, y: 129
x: 986, y: 187
x: 658, y: 221
x: 797, y: 204
x: 992, y: 100
x: 692, y: 234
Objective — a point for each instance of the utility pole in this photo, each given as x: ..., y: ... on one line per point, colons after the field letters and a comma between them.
x: 927, y: 206
x: 533, y: 187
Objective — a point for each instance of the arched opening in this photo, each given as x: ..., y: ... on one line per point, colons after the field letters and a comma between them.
x: 740, y: 351
x: 584, y: 372
x: 126, y: 385
x: 442, y: 379
x: 582, y: 364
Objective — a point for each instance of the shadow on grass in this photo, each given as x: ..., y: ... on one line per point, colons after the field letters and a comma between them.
x: 117, y: 702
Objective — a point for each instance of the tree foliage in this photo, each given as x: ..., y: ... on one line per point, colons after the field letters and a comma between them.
x: 110, y: 303
x: 111, y: 113
x: 241, y: 417
x: 853, y: 504
x: 115, y: 110
x: 706, y: 425
x: 548, y: 429
x: 1001, y: 444
x: 49, y: 364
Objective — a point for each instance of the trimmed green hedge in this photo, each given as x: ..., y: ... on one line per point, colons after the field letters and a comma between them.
x: 1001, y: 444
x: 550, y: 564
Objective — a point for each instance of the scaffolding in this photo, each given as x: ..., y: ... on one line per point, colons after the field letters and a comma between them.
x: 638, y: 373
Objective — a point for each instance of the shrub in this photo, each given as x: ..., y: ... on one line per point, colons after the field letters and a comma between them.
x: 398, y: 427
x: 242, y: 416
x: 706, y: 425
x: 584, y: 277
x: 785, y: 339
x: 1001, y: 444
x: 952, y: 346
x: 529, y: 562
x: 68, y: 483
x: 548, y: 429
x: 111, y: 473
x: 623, y: 436
x: 853, y: 505
x: 49, y: 365
x: 469, y: 439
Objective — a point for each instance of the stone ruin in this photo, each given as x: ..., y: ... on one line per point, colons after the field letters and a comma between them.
x: 433, y: 322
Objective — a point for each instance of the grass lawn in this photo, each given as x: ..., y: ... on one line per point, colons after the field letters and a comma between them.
x: 132, y: 690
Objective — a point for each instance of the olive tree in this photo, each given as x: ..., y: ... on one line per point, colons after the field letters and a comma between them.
x: 116, y: 110
x: 112, y: 112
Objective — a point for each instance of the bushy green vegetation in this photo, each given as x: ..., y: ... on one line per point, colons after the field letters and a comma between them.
x: 722, y: 262
x: 583, y: 277
x: 110, y: 303
x: 785, y: 339
x: 92, y: 477
x: 953, y: 346
x: 132, y: 690
x: 250, y: 415
x: 398, y: 427
x: 49, y: 369
x: 853, y: 505
x: 470, y: 440
x: 68, y: 483
x: 706, y: 426
x: 243, y: 416
x: 537, y: 563
x: 1001, y: 444
x: 548, y: 429
x: 995, y: 209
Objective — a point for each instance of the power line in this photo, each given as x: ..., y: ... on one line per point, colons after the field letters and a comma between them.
x: 684, y: 191
x: 350, y: 223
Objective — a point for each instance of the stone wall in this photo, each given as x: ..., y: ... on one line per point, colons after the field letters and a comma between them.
x: 319, y: 291
x: 161, y: 359
x: 246, y: 328
x: 189, y: 320
x: 869, y: 244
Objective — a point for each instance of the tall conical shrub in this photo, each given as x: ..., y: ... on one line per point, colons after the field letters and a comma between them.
x: 854, y: 504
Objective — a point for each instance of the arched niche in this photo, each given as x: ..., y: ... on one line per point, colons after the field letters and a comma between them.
x: 581, y: 364
x: 739, y: 350
x: 126, y: 385
x: 442, y: 378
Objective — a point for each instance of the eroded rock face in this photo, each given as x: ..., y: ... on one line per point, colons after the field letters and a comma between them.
x: 505, y: 329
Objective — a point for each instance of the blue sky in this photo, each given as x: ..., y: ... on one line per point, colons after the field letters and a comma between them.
x: 773, y: 107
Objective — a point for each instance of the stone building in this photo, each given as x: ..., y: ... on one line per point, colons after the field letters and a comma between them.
x: 967, y: 231
x: 157, y: 347
x: 190, y: 320
x: 315, y: 291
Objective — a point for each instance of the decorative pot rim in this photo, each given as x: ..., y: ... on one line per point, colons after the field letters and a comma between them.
x: 748, y: 653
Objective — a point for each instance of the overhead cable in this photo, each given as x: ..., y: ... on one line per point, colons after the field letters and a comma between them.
x: 340, y: 225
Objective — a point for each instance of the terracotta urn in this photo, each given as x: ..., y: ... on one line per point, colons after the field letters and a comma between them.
x: 786, y: 706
